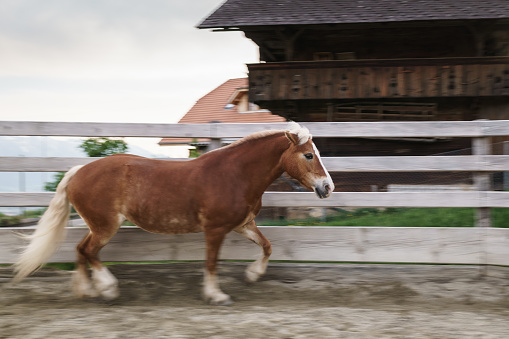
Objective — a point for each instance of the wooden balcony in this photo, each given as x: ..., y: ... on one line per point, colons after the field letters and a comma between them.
x: 372, y: 79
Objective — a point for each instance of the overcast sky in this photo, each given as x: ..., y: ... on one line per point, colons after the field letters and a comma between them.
x: 112, y: 60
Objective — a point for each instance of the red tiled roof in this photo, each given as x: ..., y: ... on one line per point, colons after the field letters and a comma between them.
x: 212, y: 108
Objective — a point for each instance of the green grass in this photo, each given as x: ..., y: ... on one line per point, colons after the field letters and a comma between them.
x: 401, y: 217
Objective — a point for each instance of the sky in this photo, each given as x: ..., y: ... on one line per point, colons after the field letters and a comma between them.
x: 112, y: 60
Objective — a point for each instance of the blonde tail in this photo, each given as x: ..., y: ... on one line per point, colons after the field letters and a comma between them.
x: 48, y: 235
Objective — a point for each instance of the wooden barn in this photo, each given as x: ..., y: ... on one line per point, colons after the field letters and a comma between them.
x: 372, y: 60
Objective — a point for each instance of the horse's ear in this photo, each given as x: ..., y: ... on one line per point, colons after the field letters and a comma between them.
x: 292, y: 137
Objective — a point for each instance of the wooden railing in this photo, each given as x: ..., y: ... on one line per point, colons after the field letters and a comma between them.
x: 480, y: 245
x: 371, y: 79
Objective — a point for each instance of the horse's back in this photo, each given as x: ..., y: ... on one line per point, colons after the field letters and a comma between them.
x: 117, y: 168
x: 124, y: 175
x: 107, y: 172
x: 148, y: 192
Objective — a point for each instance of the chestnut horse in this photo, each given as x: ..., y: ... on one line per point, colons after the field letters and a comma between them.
x: 216, y: 193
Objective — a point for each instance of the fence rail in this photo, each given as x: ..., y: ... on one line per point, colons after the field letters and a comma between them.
x: 477, y: 128
x: 373, y: 244
x: 474, y: 163
x: 439, y: 245
x: 338, y: 199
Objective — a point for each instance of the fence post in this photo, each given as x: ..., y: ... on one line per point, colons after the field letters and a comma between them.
x: 214, y: 144
x: 482, y: 180
x: 505, y: 180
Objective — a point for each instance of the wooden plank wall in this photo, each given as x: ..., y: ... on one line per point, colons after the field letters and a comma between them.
x: 359, y: 244
x: 374, y: 79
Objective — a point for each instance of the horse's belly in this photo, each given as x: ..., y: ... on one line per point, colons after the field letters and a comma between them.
x: 176, y: 224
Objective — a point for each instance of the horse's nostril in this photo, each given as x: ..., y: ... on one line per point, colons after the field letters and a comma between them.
x: 327, y: 188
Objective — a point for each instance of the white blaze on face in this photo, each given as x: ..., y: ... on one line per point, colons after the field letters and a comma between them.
x: 329, y: 179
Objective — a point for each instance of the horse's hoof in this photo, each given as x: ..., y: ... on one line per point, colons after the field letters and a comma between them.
x: 86, y: 294
x: 221, y: 302
x: 82, y: 287
x: 110, y: 293
x: 251, y: 276
x: 226, y: 302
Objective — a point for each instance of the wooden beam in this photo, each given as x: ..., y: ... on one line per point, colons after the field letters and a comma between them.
x: 41, y: 164
x: 407, y: 62
x: 379, y: 199
x: 337, y: 199
x: 439, y: 245
x: 104, y: 129
x: 397, y: 129
x: 417, y: 163
x: 25, y: 199
x: 487, y: 163
x: 223, y: 130
x: 482, y: 181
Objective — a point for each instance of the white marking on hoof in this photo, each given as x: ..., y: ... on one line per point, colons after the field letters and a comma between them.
x: 255, y: 270
x: 220, y: 300
x: 251, y: 276
x: 212, y: 293
x: 82, y: 286
x: 105, y: 283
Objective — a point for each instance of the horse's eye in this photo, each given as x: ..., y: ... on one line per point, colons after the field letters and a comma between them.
x: 309, y: 156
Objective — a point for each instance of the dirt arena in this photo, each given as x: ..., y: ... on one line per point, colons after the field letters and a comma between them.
x: 291, y: 301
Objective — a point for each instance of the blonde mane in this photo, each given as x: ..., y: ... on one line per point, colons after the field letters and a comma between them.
x: 302, y: 132
x: 293, y: 127
x: 253, y: 136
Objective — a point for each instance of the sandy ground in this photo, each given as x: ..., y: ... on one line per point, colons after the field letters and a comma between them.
x: 291, y: 301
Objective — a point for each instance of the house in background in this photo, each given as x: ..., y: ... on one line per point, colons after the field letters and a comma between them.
x: 228, y: 103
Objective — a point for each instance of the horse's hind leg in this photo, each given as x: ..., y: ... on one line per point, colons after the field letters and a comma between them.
x: 104, y: 283
x: 81, y: 284
x: 257, y: 268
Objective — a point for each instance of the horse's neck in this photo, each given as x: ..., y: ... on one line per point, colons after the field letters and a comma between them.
x: 264, y: 158
x: 259, y: 160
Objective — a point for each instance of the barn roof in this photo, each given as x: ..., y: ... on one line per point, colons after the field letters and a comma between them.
x: 241, y: 13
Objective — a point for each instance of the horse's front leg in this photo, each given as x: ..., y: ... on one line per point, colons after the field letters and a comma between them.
x: 211, y: 291
x: 257, y: 268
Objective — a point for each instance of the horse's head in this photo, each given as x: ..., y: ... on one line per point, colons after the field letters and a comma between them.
x: 302, y: 161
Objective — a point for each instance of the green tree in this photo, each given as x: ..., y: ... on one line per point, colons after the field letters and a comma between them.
x: 51, y: 186
x: 193, y: 152
x: 102, y: 147
x: 93, y: 147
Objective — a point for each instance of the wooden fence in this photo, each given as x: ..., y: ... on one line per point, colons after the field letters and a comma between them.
x: 479, y: 245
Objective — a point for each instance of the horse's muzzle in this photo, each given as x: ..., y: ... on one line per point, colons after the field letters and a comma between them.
x: 323, y: 191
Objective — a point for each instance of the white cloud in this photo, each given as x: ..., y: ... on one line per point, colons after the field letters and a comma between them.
x: 112, y: 60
